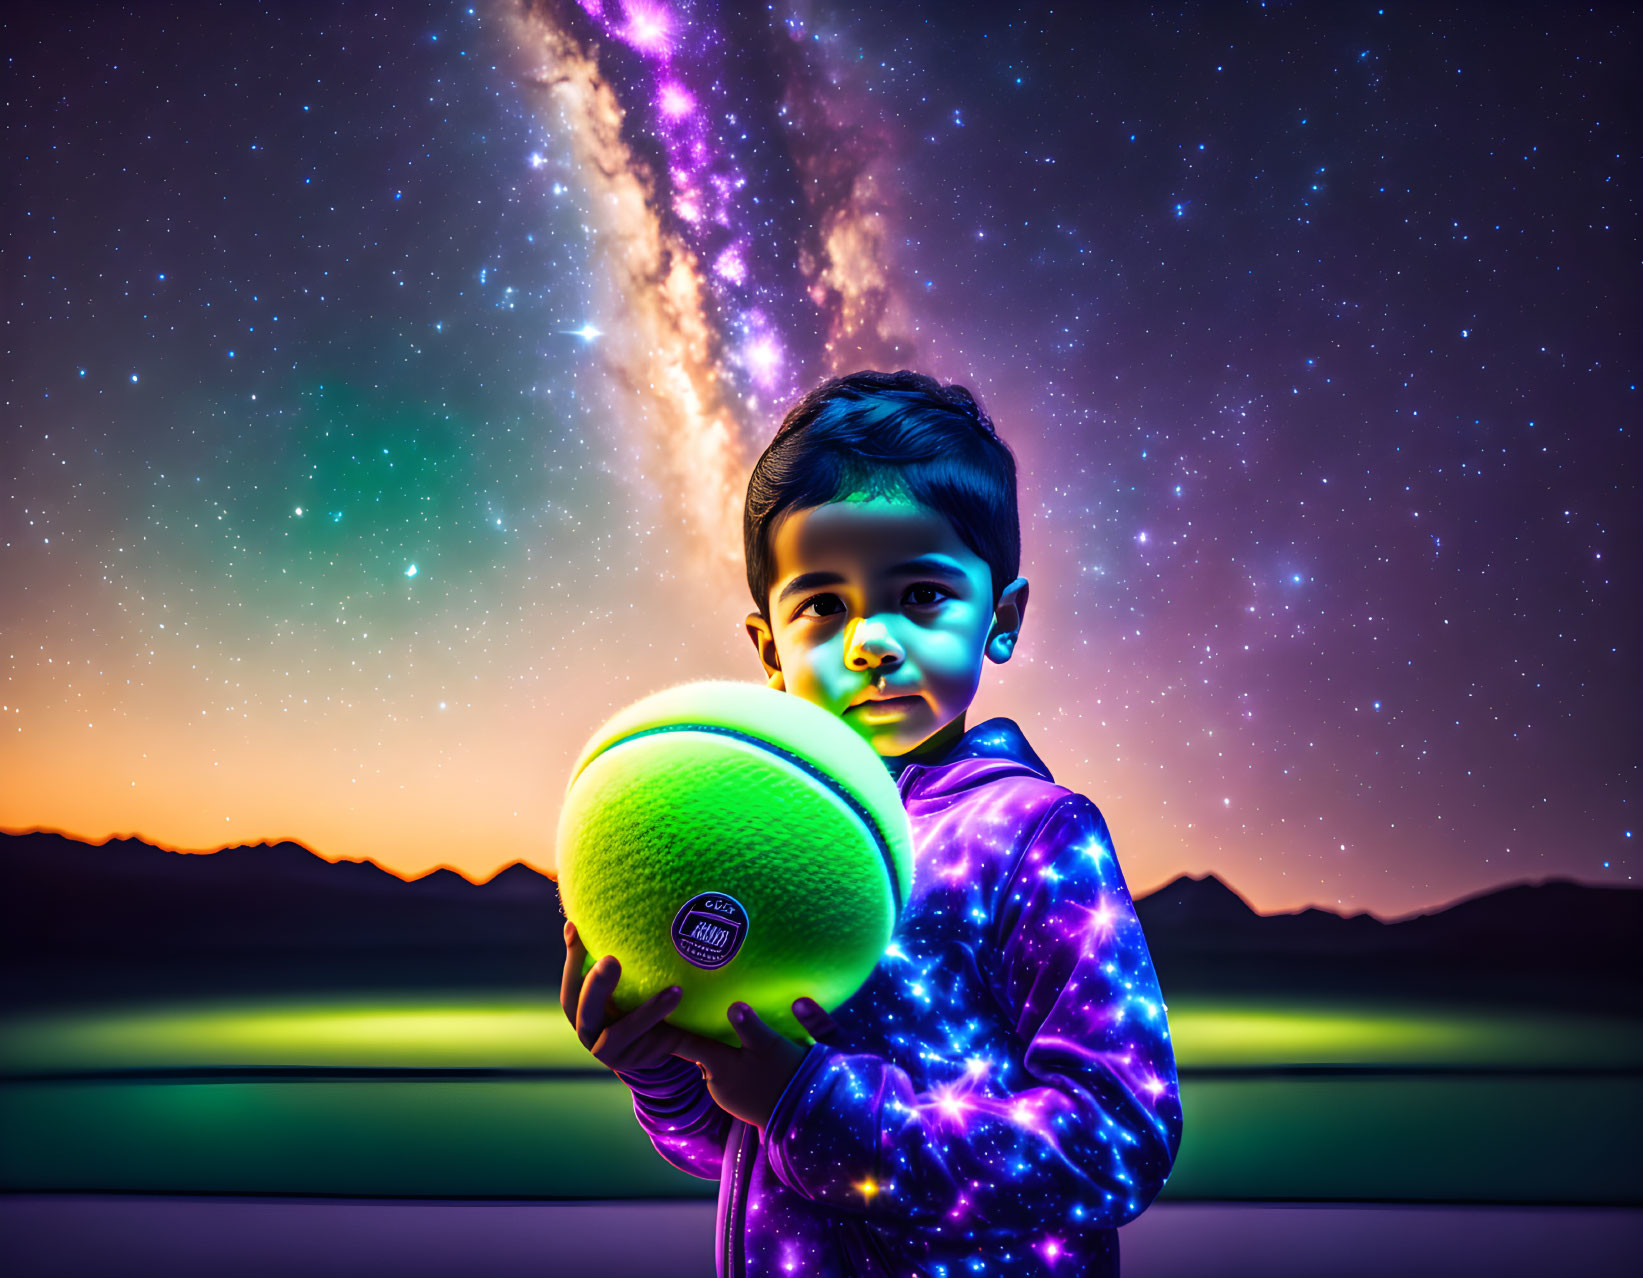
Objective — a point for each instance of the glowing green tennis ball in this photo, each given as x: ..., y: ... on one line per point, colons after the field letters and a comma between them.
x: 738, y: 842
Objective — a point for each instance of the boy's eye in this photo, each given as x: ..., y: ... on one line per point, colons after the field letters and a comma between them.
x: 812, y: 602
x: 922, y: 594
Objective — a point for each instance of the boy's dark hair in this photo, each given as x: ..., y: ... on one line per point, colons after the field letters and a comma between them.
x: 880, y: 434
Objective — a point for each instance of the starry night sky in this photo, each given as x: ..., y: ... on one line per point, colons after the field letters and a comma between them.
x: 381, y: 386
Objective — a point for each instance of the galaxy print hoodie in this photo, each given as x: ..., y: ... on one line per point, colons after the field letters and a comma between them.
x: 1001, y: 1094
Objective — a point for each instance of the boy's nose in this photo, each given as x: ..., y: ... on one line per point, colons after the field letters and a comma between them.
x: 872, y: 645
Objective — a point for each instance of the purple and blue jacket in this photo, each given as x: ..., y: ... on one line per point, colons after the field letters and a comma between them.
x: 1001, y: 1094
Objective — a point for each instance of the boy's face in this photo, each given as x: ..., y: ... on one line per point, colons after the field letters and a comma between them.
x: 894, y: 648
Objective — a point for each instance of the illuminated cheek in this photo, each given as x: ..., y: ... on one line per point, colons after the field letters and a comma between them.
x: 821, y: 673
x: 953, y: 670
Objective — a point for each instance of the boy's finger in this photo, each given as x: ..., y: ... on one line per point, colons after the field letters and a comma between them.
x: 620, y: 1034
x: 596, y: 990
x: 708, y: 1052
x: 653, y: 1047
x: 570, y: 984
x: 817, y: 1023
x: 753, y: 1032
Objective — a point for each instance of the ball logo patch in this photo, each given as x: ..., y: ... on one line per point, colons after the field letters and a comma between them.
x: 709, y: 929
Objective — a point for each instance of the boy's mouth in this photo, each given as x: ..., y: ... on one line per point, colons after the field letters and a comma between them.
x: 884, y: 705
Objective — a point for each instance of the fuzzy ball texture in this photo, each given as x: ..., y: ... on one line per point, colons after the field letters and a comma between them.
x: 718, y: 818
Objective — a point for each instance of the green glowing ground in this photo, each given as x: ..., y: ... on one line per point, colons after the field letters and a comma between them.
x: 491, y: 1032
x: 1461, y: 1131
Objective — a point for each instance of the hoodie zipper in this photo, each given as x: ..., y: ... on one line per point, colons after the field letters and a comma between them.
x: 735, y: 1255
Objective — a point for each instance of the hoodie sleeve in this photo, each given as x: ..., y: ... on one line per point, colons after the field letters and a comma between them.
x: 685, y: 1124
x: 1088, y: 1135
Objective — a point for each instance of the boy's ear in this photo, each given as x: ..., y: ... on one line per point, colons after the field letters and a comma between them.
x: 1007, y: 619
x: 764, y: 640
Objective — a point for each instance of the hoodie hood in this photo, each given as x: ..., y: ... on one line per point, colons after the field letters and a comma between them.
x: 991, y: 749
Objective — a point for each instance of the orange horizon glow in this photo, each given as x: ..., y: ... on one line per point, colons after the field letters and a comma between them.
x: 430, y: 760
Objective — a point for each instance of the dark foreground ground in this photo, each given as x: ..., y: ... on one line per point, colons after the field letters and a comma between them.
x: 85, y: 1236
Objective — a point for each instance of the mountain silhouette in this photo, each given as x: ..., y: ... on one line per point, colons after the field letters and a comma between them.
x: 125, y: 919
x: 1572, y: 942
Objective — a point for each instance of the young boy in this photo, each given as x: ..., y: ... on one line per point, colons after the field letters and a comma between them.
x: 1001, y: 1094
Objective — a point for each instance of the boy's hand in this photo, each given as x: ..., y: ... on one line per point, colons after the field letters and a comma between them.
x: 747, y: 1081
x: 640, y: 1039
